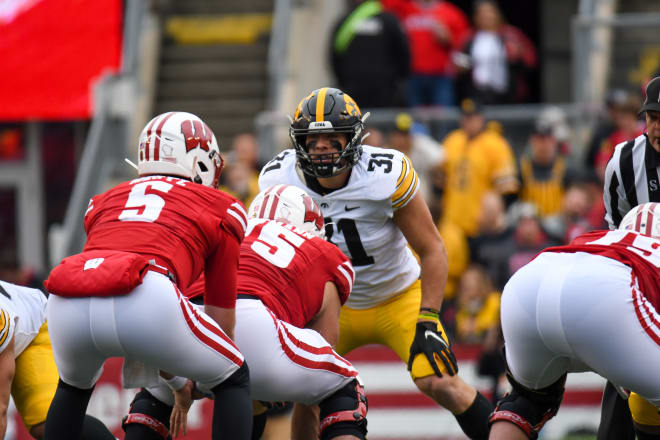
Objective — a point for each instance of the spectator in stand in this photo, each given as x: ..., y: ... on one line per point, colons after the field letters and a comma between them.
x: 426, y: 154
x: 241, y: 175
x: 478, y: 306
x: 435, y: 28
x: 369, y: 55
x: 245, y: 148
x: 626, y: 126
x: 478, y: 160
x: 529, y: 236
x: 496, y: 59
x: 604, y: 125
x: 572, y: 220
x: 543, y: 171
x: 494, y: 244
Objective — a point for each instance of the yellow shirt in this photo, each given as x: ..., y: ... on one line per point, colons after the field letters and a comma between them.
x: 546, y: 194
x: 473, y: 327
x: 475, y: 166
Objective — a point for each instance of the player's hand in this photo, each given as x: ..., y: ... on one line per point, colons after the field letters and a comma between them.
x: 428, y: 340
x: 182, y: 402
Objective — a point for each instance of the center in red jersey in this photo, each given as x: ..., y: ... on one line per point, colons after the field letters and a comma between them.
x: 184, y: 226
x: 287, y: 269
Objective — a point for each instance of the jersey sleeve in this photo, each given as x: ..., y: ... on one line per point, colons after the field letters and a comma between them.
x: 220, y: 273
x: 407, y: 184
x: 342, y: 273
x: 235, y: 220
x: 89, y: 213
x: 7, y: 326
x: 273, y: 172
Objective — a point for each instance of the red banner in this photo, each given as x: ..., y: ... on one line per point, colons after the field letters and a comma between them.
x: 52, y: 52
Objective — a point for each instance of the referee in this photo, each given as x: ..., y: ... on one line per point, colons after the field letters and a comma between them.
x: 631, y: 178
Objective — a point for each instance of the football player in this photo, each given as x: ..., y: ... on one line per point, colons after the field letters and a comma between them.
x: 291, y: 285
x: 591, y: 305
x: 146, y: 239
x: 27, y: 367
x: 373, y: 210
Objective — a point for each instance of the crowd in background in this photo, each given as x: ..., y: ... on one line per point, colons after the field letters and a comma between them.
x: 428, y: 52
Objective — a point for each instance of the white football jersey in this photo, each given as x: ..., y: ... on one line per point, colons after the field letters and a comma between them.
x: 359, y: 219
x: 21, y: 316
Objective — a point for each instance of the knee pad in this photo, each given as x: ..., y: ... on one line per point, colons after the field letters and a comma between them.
x: 529, y: 409
x: 150, y: 412
x: 345, y: 412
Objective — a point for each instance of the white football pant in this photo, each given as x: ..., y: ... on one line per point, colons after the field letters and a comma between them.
x: 153, y: 324
x: 570, y: 312
x: 286, y: 363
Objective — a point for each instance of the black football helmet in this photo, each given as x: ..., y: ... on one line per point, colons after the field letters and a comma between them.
x: 327, y: 110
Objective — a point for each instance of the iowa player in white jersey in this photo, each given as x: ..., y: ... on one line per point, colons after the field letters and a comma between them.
x: 373, y: 210
x: 27, y: 366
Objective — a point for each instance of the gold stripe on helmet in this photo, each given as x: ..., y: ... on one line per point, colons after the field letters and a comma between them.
x: 320, y: 104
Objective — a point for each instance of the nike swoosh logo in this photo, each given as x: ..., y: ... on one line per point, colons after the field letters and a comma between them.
x: 430, y: 334
x: 346, y: 208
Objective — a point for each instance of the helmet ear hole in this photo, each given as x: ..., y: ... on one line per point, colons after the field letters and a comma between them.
x: 202, y: 167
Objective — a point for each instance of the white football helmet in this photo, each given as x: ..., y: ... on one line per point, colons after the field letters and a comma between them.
x: 289, y: 204
x: 180, y: 144
x: 644, y: 218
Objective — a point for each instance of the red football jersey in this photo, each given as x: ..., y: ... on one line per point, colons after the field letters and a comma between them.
x: 640, y: 252
x: 288, y: 268
x: 184, y: 226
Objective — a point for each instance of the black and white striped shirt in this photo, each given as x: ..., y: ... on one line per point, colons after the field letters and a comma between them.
x: 631, y: 178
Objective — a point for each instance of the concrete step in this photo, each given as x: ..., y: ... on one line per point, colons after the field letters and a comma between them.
x: 174, y: 53
x: 220, y: 6
x: 210, y: 89
x: 216, y: 69
x: 216, y: 107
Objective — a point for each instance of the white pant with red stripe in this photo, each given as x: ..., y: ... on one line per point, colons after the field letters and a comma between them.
x: 569, y: 312
x: 153, y: 324
x: 287, y: 363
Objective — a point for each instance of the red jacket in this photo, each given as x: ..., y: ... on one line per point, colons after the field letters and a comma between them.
x: 429, y: 55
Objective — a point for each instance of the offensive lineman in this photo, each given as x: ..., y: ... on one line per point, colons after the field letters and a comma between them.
x: 120, y: 297
x: 291, y: 284
x: 27, y: 367
x: 373, y: 210
x: 590, y: 305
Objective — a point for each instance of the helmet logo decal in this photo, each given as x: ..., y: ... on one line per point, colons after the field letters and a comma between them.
x: 196, y: 135
x: 351, y: 106
x: 312, y: 212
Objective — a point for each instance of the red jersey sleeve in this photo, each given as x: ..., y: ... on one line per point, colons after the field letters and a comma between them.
x: 89, y: 213
x: 221, y: 271
x: 235, y: 220
x: 341, y: 272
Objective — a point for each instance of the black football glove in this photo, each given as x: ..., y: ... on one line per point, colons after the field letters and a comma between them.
x: 428, y: 340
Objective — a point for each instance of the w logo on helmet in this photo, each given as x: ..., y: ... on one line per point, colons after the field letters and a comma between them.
x: 196, y: 135
x: 312, y: 212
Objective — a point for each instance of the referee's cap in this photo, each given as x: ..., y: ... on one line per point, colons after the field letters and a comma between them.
x: 652, y: 96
